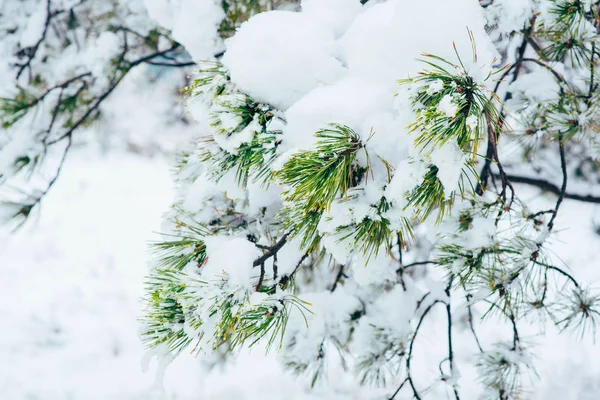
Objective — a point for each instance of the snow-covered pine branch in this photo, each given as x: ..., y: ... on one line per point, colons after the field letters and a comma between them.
x: 335, y: 133
x: 356, y: 184
x: 63, y: 58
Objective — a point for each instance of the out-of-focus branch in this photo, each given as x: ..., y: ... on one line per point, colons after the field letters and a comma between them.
x: 552, y: 188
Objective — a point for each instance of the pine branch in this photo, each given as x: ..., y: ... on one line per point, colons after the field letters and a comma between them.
x: 450, y: 345
x: 338, y: 277
x: 31, y: 52
x: 552, y: 188
x: 563, y: 188
x: 272, y: 251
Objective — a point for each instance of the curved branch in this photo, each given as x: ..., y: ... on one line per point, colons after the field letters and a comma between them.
x: 271, y: 251
x: 31, y: 51
x: 337, y: 278
x: 411, y: 346
x: 552, y: 188
x: 563, y: 188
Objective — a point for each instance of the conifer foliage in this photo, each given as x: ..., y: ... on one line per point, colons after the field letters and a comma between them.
x: 314, y: 219
x: 357, y: 181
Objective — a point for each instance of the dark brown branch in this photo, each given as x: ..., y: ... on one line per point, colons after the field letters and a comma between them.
x: 560, y: 271
x: 285, y: 279
x: 90, y: 111
x: 149, y: 57
x: 337, y: 278
x: 450, y: 346
x: 398, y: 389
x: 472, y: 326
x: 175, y: 65
x: 537, y: 214
x: 563, y: 188
x: 272, y: 251
x: 111, y: 88
x: 31, y: 51
x: 491, y: 153
x: 417, y: 263
x: 552, y: 188
x: 511, y: 317
x: 26, y: 209
x: 558, y: 76
x: 62, y: 85
x: 261, y: 278
x: 411, y: 346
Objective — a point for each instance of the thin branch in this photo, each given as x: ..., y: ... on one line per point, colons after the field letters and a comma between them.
x: 261, y: 278
x: 31, y: 51
x: 411, y: 346
x: 558, y: 76
x: 417, y: 263
x: 26, y: 210
x: 398, y: 390
x: 563, y: 188
x: 337, y: 278
x: 272, y: 251
x: 284, y: 279
x: 560, y: 271
x: 400, y: 270
x: 175, y: 65
x: 89, y: 112
x: 154, y: 55
x: 552, y: 188
x: 450, y: 346
x: 537, y: 214
x: 472, y: 326
x: 511, y: 317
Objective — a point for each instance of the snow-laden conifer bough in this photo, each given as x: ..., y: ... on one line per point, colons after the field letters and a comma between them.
x: 351, y: 147
x: 358, y: 176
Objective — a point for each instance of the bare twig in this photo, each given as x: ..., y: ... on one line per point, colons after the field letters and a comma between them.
x: 563, y: 188
x: 271, y: 251
x: 284, y: 279
x: 337, y: 278
x: 552, y: 188
x: 450, y: 346
x: 31, y: 52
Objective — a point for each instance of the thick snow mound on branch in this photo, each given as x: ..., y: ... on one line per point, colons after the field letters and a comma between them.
x: 336, y: 15
x: 193, y: 23
x: 384, y: 43
x: 349, y: 102
x: 320, y: 69
x: 352, y: 101
x: 279, y: 56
